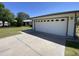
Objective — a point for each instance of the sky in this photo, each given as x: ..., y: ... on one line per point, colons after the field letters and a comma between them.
x: 41, y: 8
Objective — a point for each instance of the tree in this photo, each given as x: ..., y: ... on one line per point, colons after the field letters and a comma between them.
x: 20, y: 17
x: 23, y: 16
x: 1, y: 8
x: 2, y: 5
x: 2, y: 12
x: 5, y: 15
x: 19, y: 22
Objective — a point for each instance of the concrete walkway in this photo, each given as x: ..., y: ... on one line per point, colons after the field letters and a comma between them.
x: 30, y: 45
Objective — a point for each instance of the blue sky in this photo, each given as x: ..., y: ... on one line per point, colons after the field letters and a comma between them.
x: 41, y: 8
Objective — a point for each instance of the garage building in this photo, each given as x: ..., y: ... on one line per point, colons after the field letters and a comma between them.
x: 62, y: 24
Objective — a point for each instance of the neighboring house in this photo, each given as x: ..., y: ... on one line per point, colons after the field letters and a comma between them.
x: 27, y: 22
x: 5, y: 24
x: 63, y: 24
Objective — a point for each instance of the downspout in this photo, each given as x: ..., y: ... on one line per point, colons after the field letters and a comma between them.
x: 34, y: 24
x: 67, y: 27
x: 75, y: 21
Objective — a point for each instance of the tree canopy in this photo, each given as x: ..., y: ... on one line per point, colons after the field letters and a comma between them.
x: 5, y: 14
x: 23, y: 15
x: 20, y: 17
x: 2, y: 5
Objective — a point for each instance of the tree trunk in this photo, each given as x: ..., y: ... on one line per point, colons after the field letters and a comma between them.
x: 3, y: 23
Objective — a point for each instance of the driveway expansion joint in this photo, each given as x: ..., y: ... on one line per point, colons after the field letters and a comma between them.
x: 28, y: 46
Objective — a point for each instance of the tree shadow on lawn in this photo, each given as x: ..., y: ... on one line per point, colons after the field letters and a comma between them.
x: 72, y: 44
x: 72, y: 48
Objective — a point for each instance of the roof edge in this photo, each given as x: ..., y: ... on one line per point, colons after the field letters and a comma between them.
x: 56, y: 13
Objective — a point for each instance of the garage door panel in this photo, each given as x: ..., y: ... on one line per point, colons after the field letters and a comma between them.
x: 55, y: 27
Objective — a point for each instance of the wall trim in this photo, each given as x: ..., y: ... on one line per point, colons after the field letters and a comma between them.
x: 67, y: 26
x: 75, y: 21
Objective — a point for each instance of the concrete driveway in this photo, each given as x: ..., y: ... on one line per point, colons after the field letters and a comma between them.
x: 32, y: 44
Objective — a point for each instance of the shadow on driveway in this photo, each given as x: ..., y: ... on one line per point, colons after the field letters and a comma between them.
x: 53, y: 38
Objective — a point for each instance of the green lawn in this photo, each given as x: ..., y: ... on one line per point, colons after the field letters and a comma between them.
x: 72, y: 48
x: 8, y: 31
